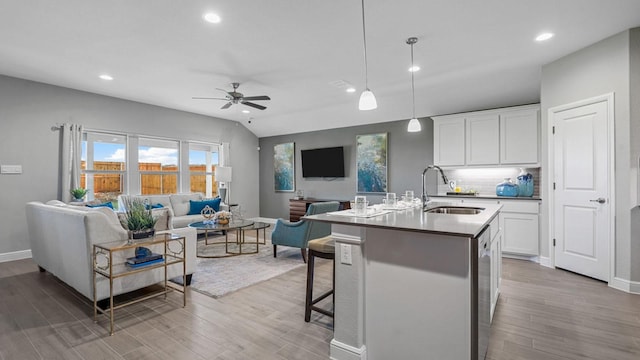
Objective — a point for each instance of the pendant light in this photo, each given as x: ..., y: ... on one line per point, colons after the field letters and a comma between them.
x: 414, y: 124
x: 367, y: 99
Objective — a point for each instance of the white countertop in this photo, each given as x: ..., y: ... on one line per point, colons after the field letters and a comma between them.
x: 415, y: 219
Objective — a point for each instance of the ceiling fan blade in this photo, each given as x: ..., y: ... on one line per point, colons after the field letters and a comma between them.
x: 208, y: 98
x: 227, y: 105
x: 259, y: 107
x: 262, y: 97
x: 223, y: 90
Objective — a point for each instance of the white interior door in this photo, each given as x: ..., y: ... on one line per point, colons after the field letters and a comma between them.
x: 582, y: 190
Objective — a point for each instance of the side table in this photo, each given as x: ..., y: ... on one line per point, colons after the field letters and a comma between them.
x: 104, y: 265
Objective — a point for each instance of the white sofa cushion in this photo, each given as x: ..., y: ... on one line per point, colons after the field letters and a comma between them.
x: 165, y: 200
x: 180, y: 202
x: 184, y: 221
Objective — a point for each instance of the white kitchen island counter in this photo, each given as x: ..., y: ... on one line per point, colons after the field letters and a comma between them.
x: 411, y: 289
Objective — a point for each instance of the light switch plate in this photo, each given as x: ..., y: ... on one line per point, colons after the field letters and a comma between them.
x: 10, y: 169
x: 345, y: 254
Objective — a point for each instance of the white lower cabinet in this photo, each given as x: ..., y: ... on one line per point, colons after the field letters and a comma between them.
x: 519, y: 224
x: 519, y: 221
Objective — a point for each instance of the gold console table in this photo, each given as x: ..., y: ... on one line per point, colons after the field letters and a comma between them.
x: 109, y: 261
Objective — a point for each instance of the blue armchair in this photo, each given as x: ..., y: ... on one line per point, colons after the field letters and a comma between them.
x: 297, y: 234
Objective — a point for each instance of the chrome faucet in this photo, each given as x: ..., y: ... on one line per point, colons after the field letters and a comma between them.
x: 425, y: 197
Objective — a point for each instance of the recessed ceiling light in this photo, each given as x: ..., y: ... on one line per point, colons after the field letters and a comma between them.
x: 106, y: 77
x: 246, y: 111
x: 414, y: 68
x: 544, y: 36
x: 351, y: 90
x: 212, y: 18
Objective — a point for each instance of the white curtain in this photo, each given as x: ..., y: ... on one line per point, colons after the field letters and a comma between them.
x: 71, y: 154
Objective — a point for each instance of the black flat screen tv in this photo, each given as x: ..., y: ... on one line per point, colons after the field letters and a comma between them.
x: 324, y: 162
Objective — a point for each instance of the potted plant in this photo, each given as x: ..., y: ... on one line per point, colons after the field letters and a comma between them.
x: 138, y: 219
x: 78, y: 193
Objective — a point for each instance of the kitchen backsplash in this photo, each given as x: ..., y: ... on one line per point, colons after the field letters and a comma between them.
x: 484, y: 180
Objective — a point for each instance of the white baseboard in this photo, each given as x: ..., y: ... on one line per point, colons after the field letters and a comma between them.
x: 625, y: 285
x: 342, y: 351
x: 521, y: 257
x: 16, y: 255
x: 546, y: 262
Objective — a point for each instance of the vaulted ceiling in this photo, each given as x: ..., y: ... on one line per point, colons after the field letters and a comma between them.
x: 302, y: 53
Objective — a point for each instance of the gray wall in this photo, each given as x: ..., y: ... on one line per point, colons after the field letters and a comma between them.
x: 29, y: 109
x: 634, y: 89
x: 598, y: 69
x: 408, y: 155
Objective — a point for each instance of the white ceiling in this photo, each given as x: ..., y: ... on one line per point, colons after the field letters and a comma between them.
x: 473, y: 54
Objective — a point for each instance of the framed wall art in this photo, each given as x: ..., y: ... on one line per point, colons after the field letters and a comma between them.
x: 284, y: 167
x: 371, y: 163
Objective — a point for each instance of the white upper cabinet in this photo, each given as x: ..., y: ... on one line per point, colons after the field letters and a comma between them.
x: 506, y: 136
x: 519, y: 134
x: 448, y: 142
x: 482, y: 145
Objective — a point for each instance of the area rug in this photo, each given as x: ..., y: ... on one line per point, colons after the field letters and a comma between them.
x: 217, y: 277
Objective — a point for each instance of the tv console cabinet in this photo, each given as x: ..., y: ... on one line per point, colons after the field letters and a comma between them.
x: 298, y: 207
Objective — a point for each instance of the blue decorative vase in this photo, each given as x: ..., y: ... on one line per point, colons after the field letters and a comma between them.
x: 507, y: 188
x: 525, y: 183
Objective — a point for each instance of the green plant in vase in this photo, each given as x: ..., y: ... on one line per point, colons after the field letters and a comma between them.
x: 78, y: 193
x: 138, y: 219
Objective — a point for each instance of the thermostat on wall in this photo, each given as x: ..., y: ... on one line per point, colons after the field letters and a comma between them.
x: 10, y: 169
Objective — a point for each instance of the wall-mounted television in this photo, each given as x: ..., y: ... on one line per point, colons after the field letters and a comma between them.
x: 324, y: 162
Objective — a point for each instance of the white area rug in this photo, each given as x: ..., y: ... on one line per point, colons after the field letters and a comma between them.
x: 219, y: 276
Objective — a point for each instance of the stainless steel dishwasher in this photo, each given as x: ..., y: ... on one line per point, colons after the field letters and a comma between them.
x: 484, y: 291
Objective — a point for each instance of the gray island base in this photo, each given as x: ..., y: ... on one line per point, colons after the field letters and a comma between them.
x: 416, y: 286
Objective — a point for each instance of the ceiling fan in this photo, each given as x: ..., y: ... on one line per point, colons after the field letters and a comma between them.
x: 234, y: 97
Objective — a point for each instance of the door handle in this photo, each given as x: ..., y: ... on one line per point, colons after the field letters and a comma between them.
x: 599, y: 200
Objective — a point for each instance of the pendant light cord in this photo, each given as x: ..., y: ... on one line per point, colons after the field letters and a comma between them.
x: 364, y: 37
x: 413, y: 89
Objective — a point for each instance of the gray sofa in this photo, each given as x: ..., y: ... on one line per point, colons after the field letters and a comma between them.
x: 62, y: 238
x: 178, y: 204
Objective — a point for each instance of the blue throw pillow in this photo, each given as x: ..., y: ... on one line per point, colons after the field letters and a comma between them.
x: 107, y: 204
x: 195, y: 207
x: 154, y: 206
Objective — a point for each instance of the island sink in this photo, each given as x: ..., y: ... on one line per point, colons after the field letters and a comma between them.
x: 455, y: 210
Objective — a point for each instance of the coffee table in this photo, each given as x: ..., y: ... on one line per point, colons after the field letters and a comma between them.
x: 257, y: 226
x: 234, y: 226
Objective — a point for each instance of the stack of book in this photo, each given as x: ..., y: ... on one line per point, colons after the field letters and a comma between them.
x: 139, y: 261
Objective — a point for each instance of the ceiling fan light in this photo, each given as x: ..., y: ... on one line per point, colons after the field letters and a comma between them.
x: 414, y: 125
x: 367, y: 101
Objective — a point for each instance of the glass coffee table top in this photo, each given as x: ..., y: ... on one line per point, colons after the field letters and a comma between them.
x: 201, y: 225
x: 231, y: 247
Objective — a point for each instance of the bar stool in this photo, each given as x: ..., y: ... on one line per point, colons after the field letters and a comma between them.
x: 323, y: 248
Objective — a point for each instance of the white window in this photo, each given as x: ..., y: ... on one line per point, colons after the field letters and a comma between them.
x: 103, y: 165
x: 158, y: 164
x: 203, y: 159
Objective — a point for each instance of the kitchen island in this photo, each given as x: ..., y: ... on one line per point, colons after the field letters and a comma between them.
x: 411, y: 284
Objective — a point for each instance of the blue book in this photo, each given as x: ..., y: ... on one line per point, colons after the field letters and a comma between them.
x: 143, y: 264
x: 143, y: 259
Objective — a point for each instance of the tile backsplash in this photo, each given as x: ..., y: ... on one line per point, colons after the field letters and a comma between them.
x: 484, y: 180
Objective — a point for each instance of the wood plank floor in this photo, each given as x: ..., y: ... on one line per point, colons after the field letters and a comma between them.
x: 542, y: 314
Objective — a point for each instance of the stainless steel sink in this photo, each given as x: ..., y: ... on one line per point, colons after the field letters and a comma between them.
x: 455, y: 210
